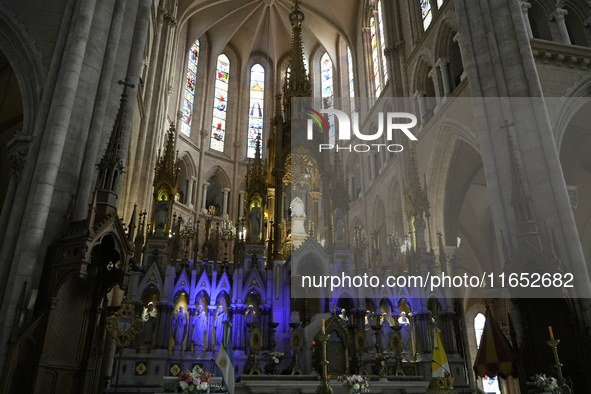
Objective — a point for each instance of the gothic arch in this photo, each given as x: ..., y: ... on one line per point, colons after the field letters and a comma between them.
x: 25, y: 59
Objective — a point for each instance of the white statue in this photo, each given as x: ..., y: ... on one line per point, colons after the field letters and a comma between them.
x: 220, y: 318
x: 343, y: 315
x: 179, y: 321
x: 200, y: 326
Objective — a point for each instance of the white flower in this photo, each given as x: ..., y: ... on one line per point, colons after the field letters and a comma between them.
x: 356, y: 386
x: 276, y: 361
x: 184, y: 385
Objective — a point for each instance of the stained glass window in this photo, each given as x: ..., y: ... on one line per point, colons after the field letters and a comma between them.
x: 351, y: 79
x: 190, y: 89
x: 426, y: 13
x: 256, y: 108
x: 220, y: 103
x: 375, y: 57
x: 439, y: 3
x: 326, y: 84
x: 382, y: 42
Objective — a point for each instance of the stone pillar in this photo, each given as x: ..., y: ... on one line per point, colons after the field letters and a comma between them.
x: 366, y: 35
x: 241, y: 204
x: 448, y: 335
x: 442, y: 63
x: 351, y: 189
x: 457, y: 39
x: 525, y: 6
x: 204, y: 197
x: 372, y: 166
x: 189, y: 199
x: 225, y: 192
x: 558, y: 16
x: 422, y: 105
x: 434, y: 75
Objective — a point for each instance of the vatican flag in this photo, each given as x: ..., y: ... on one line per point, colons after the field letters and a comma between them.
x: 224, y: 362
x: 439, y: 365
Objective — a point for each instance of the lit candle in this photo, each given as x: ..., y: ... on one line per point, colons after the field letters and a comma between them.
x: 323, y: 328
x: 551, y: 333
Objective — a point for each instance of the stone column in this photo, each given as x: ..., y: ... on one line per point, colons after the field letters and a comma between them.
x: 241, y: 204
x: 434, y: 75
x: 225, y: 192
x: 422, y: 107
x: 442, y: 63
x: 204, y: 196
x: 372, y: 167
x: 366, y: 35
x: 189, y: 198
x: 351, y: 189
x: 204, y: 135
x: 558, y: 16
x: 457, y: 39
x: 525, y: 6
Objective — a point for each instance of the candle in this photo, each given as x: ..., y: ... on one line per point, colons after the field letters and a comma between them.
x: 346, y: 358
x: 551, y: 333
x: 377, y: 320
x: 273, y: 317
x: 352, y: 320
x: 323, y: 328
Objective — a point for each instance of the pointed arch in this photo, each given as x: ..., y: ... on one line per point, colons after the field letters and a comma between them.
x: 189, y: 92
x: 220, y: 103
x: 256, y: 108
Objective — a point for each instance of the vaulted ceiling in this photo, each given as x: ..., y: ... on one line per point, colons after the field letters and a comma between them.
x: 263, y: 26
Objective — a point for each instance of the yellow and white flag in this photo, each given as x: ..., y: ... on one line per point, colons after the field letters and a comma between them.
x: 439, y: 366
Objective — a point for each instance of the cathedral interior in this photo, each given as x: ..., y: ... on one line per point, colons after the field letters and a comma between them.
x: 156, y: 187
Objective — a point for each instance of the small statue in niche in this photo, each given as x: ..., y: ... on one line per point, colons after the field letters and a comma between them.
x: 179, y: 321
x: 149, y: 317
x: 220, y: 317
x: 200, y: 326
x: 253, y: 315
x: 369, y: 336
x: 343, y: 315
x: 161, y: 215
x: 255, y: 217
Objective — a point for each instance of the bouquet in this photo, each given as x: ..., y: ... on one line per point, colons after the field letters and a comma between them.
x: 355, y: 383
x: 196, y: 381
x: 542, y: 383
x: 276, y: 357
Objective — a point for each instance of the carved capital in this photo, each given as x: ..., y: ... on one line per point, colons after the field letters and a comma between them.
x: 558, y: 14
x: 442, y: 62
x: 525, y: 6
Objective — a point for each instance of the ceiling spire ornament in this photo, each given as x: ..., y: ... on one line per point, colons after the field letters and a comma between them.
x: 297, y: 83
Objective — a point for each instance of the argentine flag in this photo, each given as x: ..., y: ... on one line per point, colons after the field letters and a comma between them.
x: 224, y: 362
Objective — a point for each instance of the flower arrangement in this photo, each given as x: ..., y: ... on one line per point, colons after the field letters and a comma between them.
x: 276, y: 357
x: 196, y: 381
x: 355, y: 383
x: 542, y: 383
